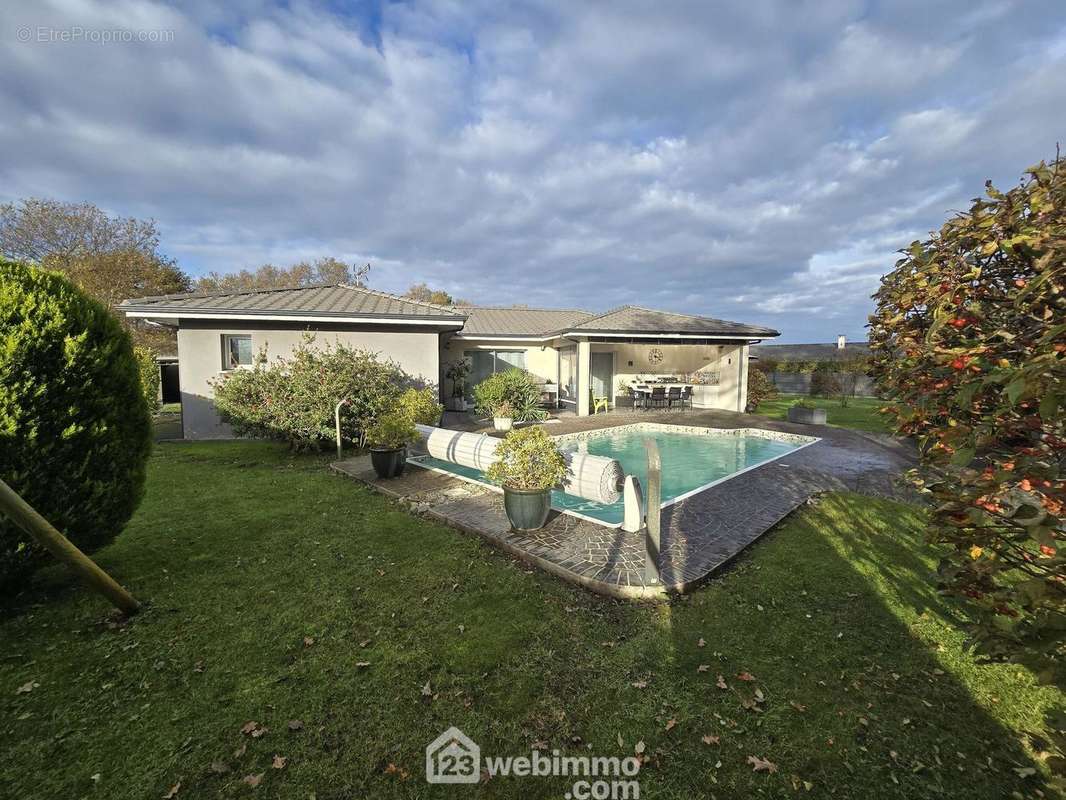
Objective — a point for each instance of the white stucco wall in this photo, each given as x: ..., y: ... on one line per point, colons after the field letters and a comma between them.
x: 200, y: 351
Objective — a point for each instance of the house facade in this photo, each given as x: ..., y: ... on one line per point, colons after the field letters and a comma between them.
x: 575, y: 354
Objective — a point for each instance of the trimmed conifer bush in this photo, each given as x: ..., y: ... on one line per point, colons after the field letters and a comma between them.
x: 75, y: 432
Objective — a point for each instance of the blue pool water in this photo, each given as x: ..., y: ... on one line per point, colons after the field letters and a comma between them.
x: 689, y: 462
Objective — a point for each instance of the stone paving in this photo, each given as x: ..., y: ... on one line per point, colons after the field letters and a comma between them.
x: 698, y: 534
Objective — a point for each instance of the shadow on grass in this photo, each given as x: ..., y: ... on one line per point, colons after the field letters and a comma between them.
x: 834, y: 621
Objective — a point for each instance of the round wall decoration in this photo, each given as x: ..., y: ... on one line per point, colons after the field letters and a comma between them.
x: 655, y: 356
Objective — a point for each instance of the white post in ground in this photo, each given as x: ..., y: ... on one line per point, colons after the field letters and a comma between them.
x: 584, y: 377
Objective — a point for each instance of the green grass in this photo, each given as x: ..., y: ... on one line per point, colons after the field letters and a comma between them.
x: 859, y: 414
x: 241, y: 551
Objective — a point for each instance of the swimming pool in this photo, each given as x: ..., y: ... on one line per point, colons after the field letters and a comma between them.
x: 693, y: 459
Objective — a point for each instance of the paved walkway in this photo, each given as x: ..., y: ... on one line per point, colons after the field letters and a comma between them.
x: 699, y: 534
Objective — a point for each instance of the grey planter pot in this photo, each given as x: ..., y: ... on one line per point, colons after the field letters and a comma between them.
x: 527, y: 509
x: 807, y: 416
x: 388, y: 463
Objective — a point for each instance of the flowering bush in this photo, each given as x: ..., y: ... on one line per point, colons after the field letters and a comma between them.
x: 293, y: 399
x: 529, y: 459
x: 969, y: 345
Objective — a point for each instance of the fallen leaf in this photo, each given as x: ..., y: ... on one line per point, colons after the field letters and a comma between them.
x: 27, y: 687
x: 671, y: 723
x: 364, y: 643
x: 427, y: 691
x: 638, y: 748
x: 279, y: 762
x: 253, y: 780
x: 746, y: 676
x: 308, y: 641
x: 219, y: 768
x: 240, y: 751
x: 759, y: 697
x: 708, y: 739
x: 462, y: 629
x: 173, y: 791
x: 362, y: 664
x: 1025, y: 772
x: 701, y: 642
x: 761, y: 764
x: 296, y: 725
x: 392, y: 769
x: 720, y: 683
x: 798, y: 706
x: 620, y: 742
x: 639, y: 684
x: 259, y: 732
x: 249, y: 727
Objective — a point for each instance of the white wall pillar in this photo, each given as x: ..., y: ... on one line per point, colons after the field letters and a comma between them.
x: 742, y: 389
x: 584, y: 366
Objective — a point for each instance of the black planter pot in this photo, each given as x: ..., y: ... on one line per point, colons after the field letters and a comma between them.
x: 388, y: 463
x: 527, y: 509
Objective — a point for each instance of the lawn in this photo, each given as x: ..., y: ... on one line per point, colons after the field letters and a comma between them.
x: 353, y: 634
x: 859, y: 414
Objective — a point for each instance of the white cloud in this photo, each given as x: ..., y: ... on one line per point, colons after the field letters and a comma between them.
x: 760, y: 161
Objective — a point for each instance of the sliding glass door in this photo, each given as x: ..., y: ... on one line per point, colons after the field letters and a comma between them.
x: 484, y: 363
x: 568, y: 376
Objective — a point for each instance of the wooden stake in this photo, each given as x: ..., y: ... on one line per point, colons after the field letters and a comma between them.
x: 23, y: 514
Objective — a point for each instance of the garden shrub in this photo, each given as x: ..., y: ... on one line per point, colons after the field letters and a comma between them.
x: 969, y: 344
x: 293, y: 398
x: 528, y: 459
x: 760, y: 388
x: 421, y: 406
x: 148, y: 370
x: 514, y: 386
x: 75, y: 433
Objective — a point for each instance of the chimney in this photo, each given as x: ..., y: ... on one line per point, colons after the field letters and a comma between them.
x: 840, y: 342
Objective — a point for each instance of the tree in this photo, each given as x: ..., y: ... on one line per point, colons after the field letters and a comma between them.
x: 824, y: 381
x: 74, y: 428
x: 849, y: 372
x: 969, y: 344
x: 111, y: 258
x: 327, y: 270
x: 760, y: 388
x: 422, y: 292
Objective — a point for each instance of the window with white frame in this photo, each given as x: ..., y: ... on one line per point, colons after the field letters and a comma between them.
x: 236, y: 351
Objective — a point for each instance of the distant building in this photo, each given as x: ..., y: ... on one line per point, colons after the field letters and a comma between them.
x: 811, y: 352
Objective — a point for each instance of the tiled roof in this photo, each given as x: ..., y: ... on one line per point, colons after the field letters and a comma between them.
x: 338, y: 300
x: 635, y: 319
x: 511, y: 321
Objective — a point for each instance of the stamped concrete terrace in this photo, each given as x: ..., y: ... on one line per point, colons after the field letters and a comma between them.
x: 698, y: 534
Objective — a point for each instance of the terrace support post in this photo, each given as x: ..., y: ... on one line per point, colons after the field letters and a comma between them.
x: 23, y: 515
x: 654, y: 506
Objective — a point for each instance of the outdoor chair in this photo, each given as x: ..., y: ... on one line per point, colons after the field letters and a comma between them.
x: 686, y: 396
x: 658, y: 397
x: 674, y: 397
x: 601, y: 402
x: 640, y: 396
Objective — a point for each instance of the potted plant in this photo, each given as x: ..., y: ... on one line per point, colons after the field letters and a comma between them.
x: 529, y: 465
x: 457, y: 372
x: 388, y: 438
x: 806, y: 413
x: 503, y: 416
x: 515, y: 387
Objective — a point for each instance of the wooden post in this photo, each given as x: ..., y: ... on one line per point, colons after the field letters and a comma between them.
x: 23, y: 515
x: 654, y: 506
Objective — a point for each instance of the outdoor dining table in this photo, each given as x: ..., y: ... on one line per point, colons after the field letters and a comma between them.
x: 644, y: 390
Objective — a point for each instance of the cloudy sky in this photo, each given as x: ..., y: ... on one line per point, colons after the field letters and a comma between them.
x: 759, y: 161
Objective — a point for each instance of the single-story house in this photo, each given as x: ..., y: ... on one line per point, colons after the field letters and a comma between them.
x: 575, y: 353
